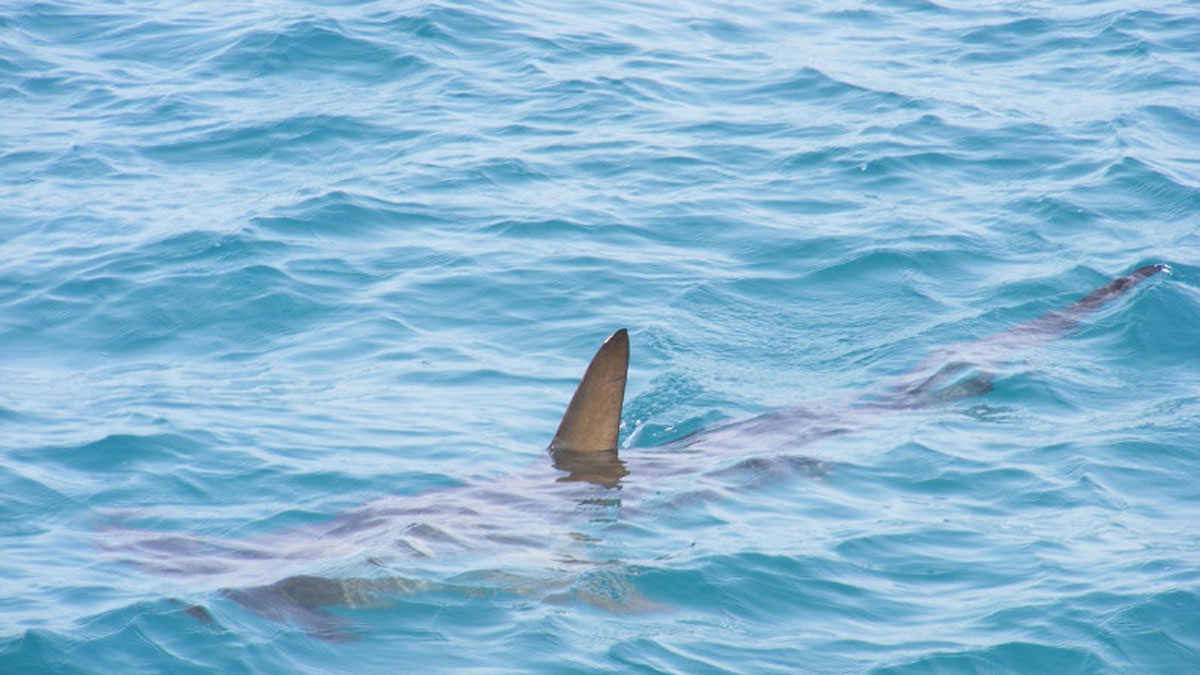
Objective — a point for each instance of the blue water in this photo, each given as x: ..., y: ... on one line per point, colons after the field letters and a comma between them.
x: 262, y: 266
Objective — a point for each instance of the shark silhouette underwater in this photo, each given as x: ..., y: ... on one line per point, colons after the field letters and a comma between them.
x: 520, y: 522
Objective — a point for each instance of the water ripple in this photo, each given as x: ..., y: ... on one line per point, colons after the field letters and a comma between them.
x: 292, y: 296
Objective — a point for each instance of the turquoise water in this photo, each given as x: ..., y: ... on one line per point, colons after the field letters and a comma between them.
x: 263, y: 266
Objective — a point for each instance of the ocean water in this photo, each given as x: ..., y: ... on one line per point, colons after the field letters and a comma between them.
x: 264, y: 266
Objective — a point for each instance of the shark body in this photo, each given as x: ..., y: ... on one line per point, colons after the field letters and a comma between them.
x: 525, y: 521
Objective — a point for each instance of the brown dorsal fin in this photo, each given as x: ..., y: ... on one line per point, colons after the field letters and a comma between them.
x: 594, y: 415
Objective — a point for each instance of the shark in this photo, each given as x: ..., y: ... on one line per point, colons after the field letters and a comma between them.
x: 404, y: 545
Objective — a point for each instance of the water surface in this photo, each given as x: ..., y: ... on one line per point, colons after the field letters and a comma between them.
x: 263, y: 266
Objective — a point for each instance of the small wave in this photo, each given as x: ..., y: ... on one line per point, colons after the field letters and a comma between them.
x: 314, y: 47
x: 344, y: 214
x: 118, y: 452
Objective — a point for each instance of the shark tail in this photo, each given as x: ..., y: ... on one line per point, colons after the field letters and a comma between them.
x: 963, y: 370
x: 1056, y: 323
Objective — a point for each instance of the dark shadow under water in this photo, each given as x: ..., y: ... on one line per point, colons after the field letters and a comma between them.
x: 545, y: 518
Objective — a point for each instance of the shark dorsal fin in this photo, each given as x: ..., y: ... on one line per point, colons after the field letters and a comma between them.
x: 593, y: 417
